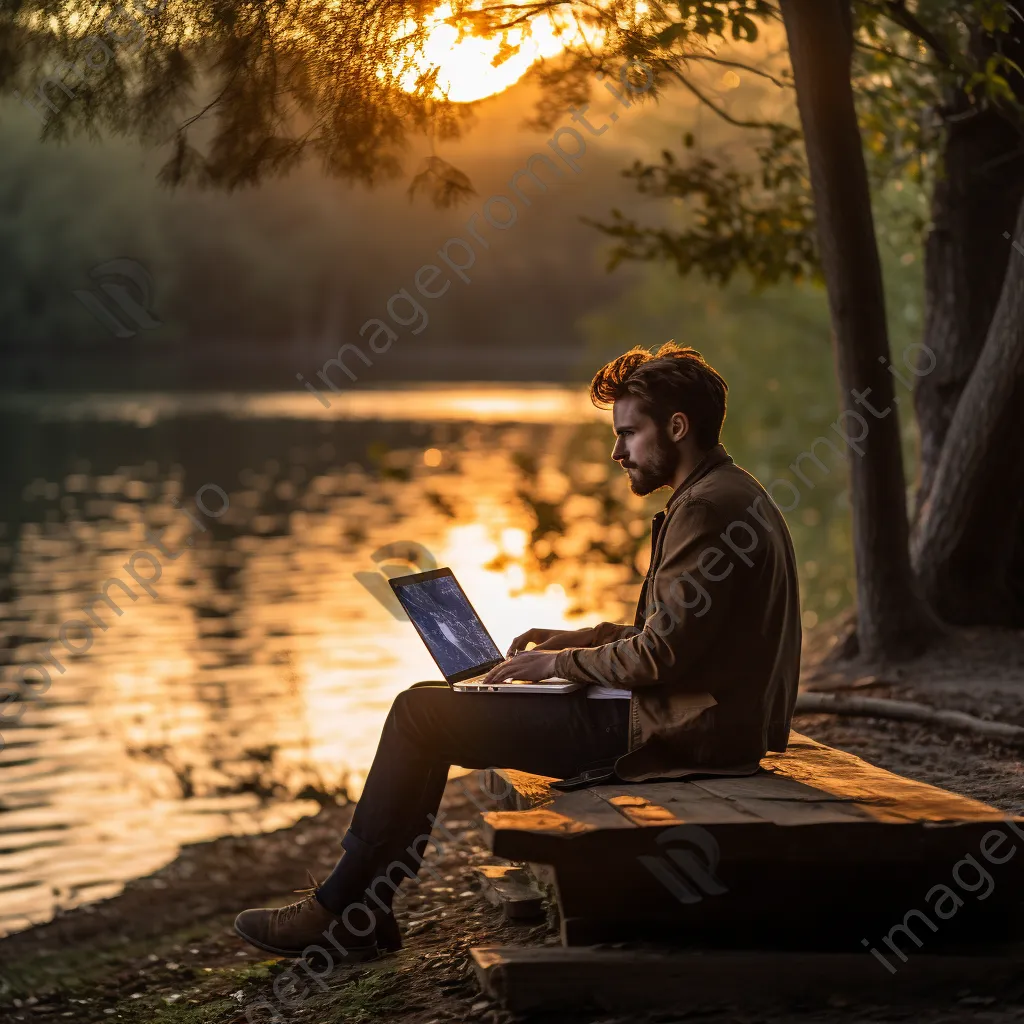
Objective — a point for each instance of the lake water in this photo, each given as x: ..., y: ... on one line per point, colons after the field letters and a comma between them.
x: 256, y: 681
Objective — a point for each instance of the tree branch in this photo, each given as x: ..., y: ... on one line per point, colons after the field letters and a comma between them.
x: 892, y: 53
x: 744, y: 67
x: 905, y: 19
x: 906, y: 711
x: 717, y: 109
x: 209, y: 106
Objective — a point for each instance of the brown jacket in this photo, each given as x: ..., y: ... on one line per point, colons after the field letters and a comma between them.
x: 713, y: 657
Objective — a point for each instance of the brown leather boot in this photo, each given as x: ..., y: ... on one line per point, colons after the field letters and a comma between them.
x: 291, y: 930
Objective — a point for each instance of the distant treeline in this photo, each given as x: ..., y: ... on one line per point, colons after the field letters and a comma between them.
x: 249, y: 288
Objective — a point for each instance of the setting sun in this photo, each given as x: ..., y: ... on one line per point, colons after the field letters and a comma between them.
x: 470, y: 67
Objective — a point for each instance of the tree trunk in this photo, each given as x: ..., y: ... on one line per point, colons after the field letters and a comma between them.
x: 970, y: 520
x: 976, y: 198
x: 893, y: 620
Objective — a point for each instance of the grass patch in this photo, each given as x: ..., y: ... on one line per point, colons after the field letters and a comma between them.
x: 369, y: 998
x: 252, y: 972
x: 215, y: 1011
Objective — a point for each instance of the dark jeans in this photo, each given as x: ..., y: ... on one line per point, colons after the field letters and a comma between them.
x: 431, y: 727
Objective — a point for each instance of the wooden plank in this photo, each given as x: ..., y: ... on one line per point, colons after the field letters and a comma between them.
x: 509, y: 887
x: 803, y: 812
x: 764, y: 786
x: 667, y: 803
x: 886, y: 796
x: 548, y: 978
x: 530, y: 790
x: 569, y: 814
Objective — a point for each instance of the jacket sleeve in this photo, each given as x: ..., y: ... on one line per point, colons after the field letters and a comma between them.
x: 690, y: 596
x: 608, y: 632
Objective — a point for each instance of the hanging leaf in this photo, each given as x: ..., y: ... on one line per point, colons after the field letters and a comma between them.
x: 744, y: 29
x: 667, y: 36
x: 444, y: 184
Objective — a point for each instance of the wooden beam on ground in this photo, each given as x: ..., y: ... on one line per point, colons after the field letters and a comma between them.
x: 510, y: 888
x: 549, y: 978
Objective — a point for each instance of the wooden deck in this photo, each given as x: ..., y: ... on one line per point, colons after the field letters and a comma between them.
x: 819, y: 850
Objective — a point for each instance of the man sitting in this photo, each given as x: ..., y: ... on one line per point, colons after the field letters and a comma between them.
x: 710, y: 665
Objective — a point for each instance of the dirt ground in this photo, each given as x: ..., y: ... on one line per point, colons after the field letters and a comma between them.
x: 164, y: 952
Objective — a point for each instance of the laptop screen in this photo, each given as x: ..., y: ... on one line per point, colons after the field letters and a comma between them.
x: 452, y: 631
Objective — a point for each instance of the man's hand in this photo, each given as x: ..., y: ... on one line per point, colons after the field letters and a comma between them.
x: 551, y: 639
x: 530, y: 665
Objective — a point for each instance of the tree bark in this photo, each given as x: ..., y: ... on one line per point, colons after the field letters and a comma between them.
x: 969, y: 522
x: 893, y: 621
x: 976, y: 198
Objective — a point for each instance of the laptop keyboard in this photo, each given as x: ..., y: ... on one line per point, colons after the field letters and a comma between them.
x: 480, y: 678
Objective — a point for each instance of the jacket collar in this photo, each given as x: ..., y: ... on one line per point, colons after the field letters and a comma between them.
x: 713, y: 458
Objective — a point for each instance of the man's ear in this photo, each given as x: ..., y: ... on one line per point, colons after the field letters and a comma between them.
x: 678, y: 426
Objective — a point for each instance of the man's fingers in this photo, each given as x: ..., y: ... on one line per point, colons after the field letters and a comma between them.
x: 553, y: 643
x: 522, y: 641
x: 498, y: 673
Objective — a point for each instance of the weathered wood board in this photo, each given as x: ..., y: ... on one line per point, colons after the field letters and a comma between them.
x: 883, y: 794
x: 551, y: 978
x: 511, y: 888
x: 519, y: 791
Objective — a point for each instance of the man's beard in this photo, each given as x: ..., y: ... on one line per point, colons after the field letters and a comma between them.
x: 655, y: 473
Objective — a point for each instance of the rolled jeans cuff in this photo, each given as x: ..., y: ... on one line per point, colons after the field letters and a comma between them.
x: 352, y: 844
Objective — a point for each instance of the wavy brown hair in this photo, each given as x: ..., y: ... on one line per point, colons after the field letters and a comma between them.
x: 676, y: 378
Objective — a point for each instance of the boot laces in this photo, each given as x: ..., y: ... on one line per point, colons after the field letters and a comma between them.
x: 308, y: 895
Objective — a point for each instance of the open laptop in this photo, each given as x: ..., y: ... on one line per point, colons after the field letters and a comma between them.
x: 456, y: 638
